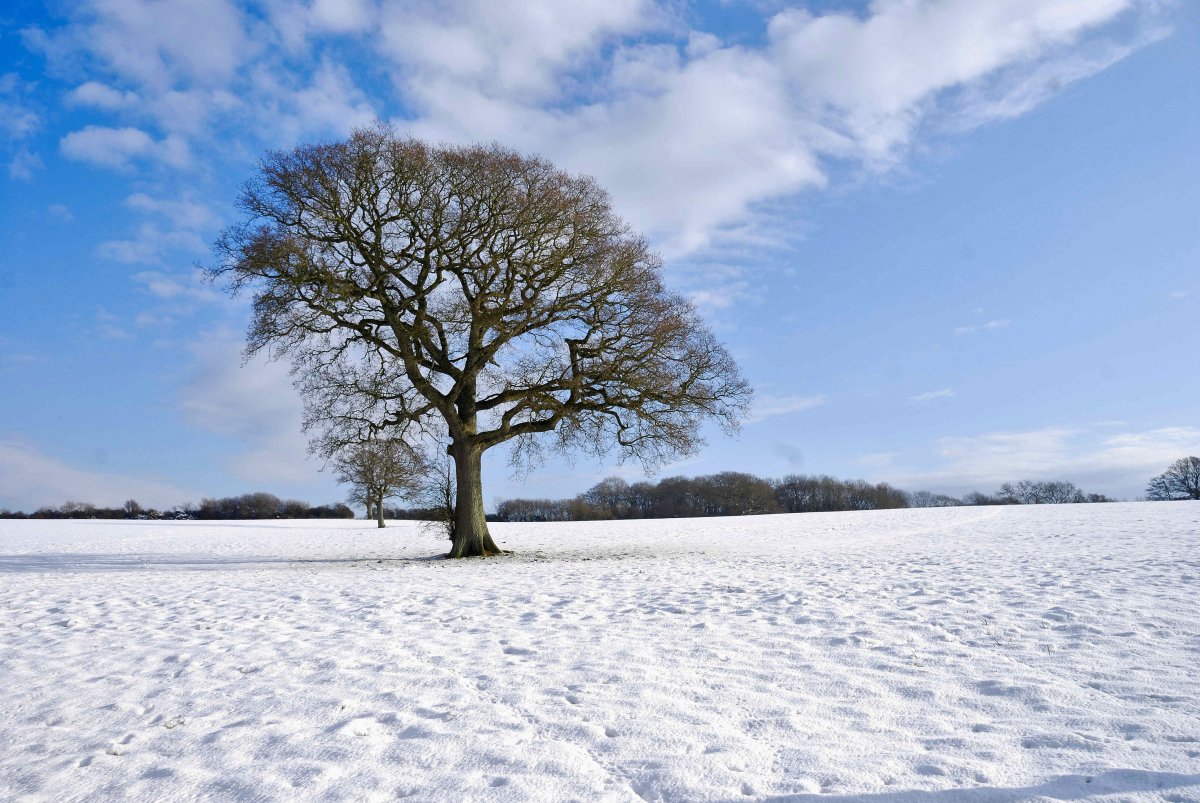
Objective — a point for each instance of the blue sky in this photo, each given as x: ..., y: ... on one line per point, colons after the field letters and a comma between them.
x: 951, y: 242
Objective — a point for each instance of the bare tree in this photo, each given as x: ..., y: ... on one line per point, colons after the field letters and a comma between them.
x: 1180, y: 481
x: 476, y: 294
x: 381, y: 469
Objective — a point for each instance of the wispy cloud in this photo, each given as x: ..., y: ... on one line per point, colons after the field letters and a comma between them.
x: 30, y: 479
x: 61, y: 212
x: 1090, y: 456
x: 931, y: 395
x: 109, y: 325
x: 18, y: 119
x: 990, y: 326
x: 24, y: 164
x: 878, y: 460
x: 252, y: 403
x: 773, y: 406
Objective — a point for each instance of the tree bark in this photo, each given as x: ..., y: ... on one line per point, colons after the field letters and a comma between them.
x: 471, y: 536
x: 379, y: 509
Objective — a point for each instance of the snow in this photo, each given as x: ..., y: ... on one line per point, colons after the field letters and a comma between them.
x: 974, y: 654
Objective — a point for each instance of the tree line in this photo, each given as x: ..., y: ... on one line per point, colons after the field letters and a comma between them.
x: 731, y: 493
x: 259, y: 505
x: 728, y: 493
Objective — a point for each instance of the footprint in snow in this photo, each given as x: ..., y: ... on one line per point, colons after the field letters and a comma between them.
x: 118, y: 748
x: 929, y: 770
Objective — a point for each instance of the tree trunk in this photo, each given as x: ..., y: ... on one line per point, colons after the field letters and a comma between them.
x: 471, y: 537
x: 379, y: 508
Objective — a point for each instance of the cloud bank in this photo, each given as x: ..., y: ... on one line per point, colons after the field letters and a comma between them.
x: 695, y: 134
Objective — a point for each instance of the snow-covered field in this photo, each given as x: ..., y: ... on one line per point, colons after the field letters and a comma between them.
x: 975, y: 654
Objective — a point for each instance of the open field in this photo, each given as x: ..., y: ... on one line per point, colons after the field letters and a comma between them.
x: 975, y: 654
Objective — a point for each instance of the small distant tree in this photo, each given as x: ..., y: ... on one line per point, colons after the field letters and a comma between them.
x: 1180, y: 481
x: 378, y: 470
x: 132, y: 509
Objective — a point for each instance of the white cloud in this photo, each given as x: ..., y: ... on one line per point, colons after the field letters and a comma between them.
x: 931, y: 395
x: 711, y: 134
x: 295, y: 22
x: 877, y: 460
x: 184, y: 213
x: 150, y: 245
x: 117, y: 148
x: 18, y: 120
x: 342, y: 16
x: 990, y: 326
x: 108, y: 325
x: 174, y: 296
x: 176, y: 288
x: 767, y: 406
x: 521, y: 50
x: 252, y: 403
x: 873, y: 76
x: 159, y: 43
x: 1090, y: 456
x: 330, y: 103
x: 709, y: 131
x: 101, y: 96
x: 30, y: 479
x: 61, y: 212
x: 24, y: 164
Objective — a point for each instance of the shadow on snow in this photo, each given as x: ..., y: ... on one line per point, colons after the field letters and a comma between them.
x: 42, y: 562
x: 1064, y: 787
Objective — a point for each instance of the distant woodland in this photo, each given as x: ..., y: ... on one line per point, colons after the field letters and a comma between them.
x: 728, y: 493
x: 258, y: 505
x: 732, y: 493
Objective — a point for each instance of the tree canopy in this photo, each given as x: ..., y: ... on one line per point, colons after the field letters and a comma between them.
x: 473, y: 295
x: 1180, y: 481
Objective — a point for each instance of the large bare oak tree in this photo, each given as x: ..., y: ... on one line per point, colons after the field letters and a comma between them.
x: 475, y: 295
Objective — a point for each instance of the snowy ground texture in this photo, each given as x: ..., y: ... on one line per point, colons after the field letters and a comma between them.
x: 976, y: 654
